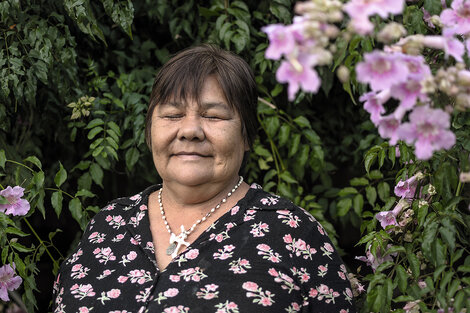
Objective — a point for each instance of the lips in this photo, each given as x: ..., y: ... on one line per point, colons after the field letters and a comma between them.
x: 188, y: 153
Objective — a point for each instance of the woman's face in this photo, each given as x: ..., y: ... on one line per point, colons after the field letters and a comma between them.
x: 194, y: 144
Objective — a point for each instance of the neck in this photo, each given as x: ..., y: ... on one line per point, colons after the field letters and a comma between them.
x: 199, y: 198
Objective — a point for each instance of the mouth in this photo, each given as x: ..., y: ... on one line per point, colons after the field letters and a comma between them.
x: 190, y: 154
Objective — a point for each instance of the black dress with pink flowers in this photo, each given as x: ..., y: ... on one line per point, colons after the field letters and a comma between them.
x: 264, y: 255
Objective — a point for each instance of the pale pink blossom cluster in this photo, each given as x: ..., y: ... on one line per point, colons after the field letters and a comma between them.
x: 15, y: 204
x: 397, y: 72
x: 304, y: 44
x: 8, y: 281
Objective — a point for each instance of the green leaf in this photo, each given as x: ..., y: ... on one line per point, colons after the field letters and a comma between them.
x: 358, y: 204
x: 434, y: 7
x: 94, y: 131
x: 19, y: 247
x: 359, y: 181
x: 75, y: 208
x: 15, y: 231
x: 284, y: 132
x: 383, y: 190
x: 294, y: 145
x: 3, y: 159
x: 96, y: 173
x: 85, y: 193
x: 38, y: 179
x: 287, y: 177
x: 402, y: 278
x: 429, y: 236
x: 56, y: 201
x: 414, y: 264
x: 438, y: 271
x: 61, y: 176
x: 94, y: 123
x: 5, y: 254
x: 34, y: 160
x: 347, y: 191
x: 369, y: 160
x: 302, y: 121
x: 343, y: 206
x: 422, y: 213
x: 132, y: 156
x: 371, y: 195
x: 447, y: 231
x: 272, y: 125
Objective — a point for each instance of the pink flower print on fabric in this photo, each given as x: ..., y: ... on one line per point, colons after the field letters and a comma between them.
x: 239, y: 266
x: 15, y: 206
x: 259, y: 229
x: 270, y: 201
x: 323, y: 292
x: 286, y: 281
x: 115, y: 221
x: 234, y: 210
x: 299, y: 73
x: 268, y: 253
x: 104, y: 255
x: 82, y: 291
x: 227, y: 307
x: 281, y: 41
x: 97, y: 237
x: 288, y: 218
x: 224, y: 253
x: 264, y: 298
x: 208, y: 292
x: 299, y: 247
x: 192, y: 254
x: 8, y: 280
x: 301, y: 274
x: 176, y: 309
x: 381, y: 70
x: 428, y: 130
x: 79, y: 271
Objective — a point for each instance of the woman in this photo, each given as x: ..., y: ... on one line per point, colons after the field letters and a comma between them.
x: 203, y: 240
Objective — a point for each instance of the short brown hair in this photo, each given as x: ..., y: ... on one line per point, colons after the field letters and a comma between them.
x: 183, y: 77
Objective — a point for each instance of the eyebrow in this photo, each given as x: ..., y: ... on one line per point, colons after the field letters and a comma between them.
x: 204, y: 105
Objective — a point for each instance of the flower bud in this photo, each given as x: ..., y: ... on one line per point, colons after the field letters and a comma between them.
x: 436, y: 20
x: 391, y: 32
x: 465, y: 177
x: 463, y: 78
x: 422, y: 203
x: 343, y: 74
x: 431, y: 190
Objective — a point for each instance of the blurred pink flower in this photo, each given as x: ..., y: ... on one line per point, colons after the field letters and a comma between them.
x: 457, y: 19
x: 450, y: 45
x: 406, y: 189
x: 381, y: 70
x: 372, y: 261
x: 8, y: 281
x: 360, y: 10
x: 16, y: 205
x: 388, y: 127
x: 298, y: 73
x: 373, y: 103
x: 429, y: 130
x: 408, y: 93
x: 387, y: 218
x: 281, y: 41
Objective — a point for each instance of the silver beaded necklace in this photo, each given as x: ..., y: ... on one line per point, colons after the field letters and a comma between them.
x: 176, y: 241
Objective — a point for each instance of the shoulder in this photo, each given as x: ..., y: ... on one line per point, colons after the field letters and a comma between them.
x: 123, y: 204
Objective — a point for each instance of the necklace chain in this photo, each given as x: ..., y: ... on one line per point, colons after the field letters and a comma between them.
x: 176, y: 241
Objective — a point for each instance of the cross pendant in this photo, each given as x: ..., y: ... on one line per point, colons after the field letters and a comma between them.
x: 176, y: 241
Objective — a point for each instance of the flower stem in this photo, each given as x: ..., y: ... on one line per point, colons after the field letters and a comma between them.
x: 40, y: 241
x: 56, y: 189
x: 17, y: 163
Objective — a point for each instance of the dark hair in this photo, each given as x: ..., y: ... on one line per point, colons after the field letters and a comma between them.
x: 183, y: 77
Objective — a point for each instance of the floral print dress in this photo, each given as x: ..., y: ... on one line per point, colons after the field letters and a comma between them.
x: 263, y: 255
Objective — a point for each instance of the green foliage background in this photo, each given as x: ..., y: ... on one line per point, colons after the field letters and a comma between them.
x: 95, y: 61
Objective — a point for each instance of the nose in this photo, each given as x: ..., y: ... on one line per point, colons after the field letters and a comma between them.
x: 191, y: 128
